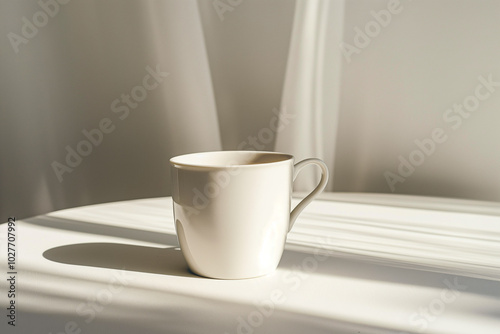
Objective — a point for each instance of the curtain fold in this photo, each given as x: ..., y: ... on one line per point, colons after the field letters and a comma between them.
x: 177, y: 38
x: 312, y: 86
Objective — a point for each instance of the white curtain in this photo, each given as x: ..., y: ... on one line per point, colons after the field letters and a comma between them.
x: 63, y: 78
x: 64, y: 63
x: 312, y: 86
x: 220, y: 72
x: 371, y: 82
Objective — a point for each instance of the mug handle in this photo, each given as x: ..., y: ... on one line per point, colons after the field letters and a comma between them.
x: 319, y: 188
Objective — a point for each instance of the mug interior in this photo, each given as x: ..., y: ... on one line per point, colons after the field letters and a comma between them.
x: 229, y: 158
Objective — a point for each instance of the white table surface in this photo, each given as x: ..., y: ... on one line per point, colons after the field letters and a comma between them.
x: 354, y: 263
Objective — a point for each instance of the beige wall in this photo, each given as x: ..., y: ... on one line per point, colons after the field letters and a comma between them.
x: 398, y: 89
x: 248, y: 50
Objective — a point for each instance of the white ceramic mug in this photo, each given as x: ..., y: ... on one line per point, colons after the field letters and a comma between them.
x: 232, y: 209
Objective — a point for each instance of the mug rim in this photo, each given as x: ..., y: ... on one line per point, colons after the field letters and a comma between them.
x: 286, y: 157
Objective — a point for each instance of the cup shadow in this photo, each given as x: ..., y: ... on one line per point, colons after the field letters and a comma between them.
x: 152, y: 260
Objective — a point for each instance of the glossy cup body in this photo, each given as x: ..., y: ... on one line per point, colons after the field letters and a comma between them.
x: 232, y: 211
